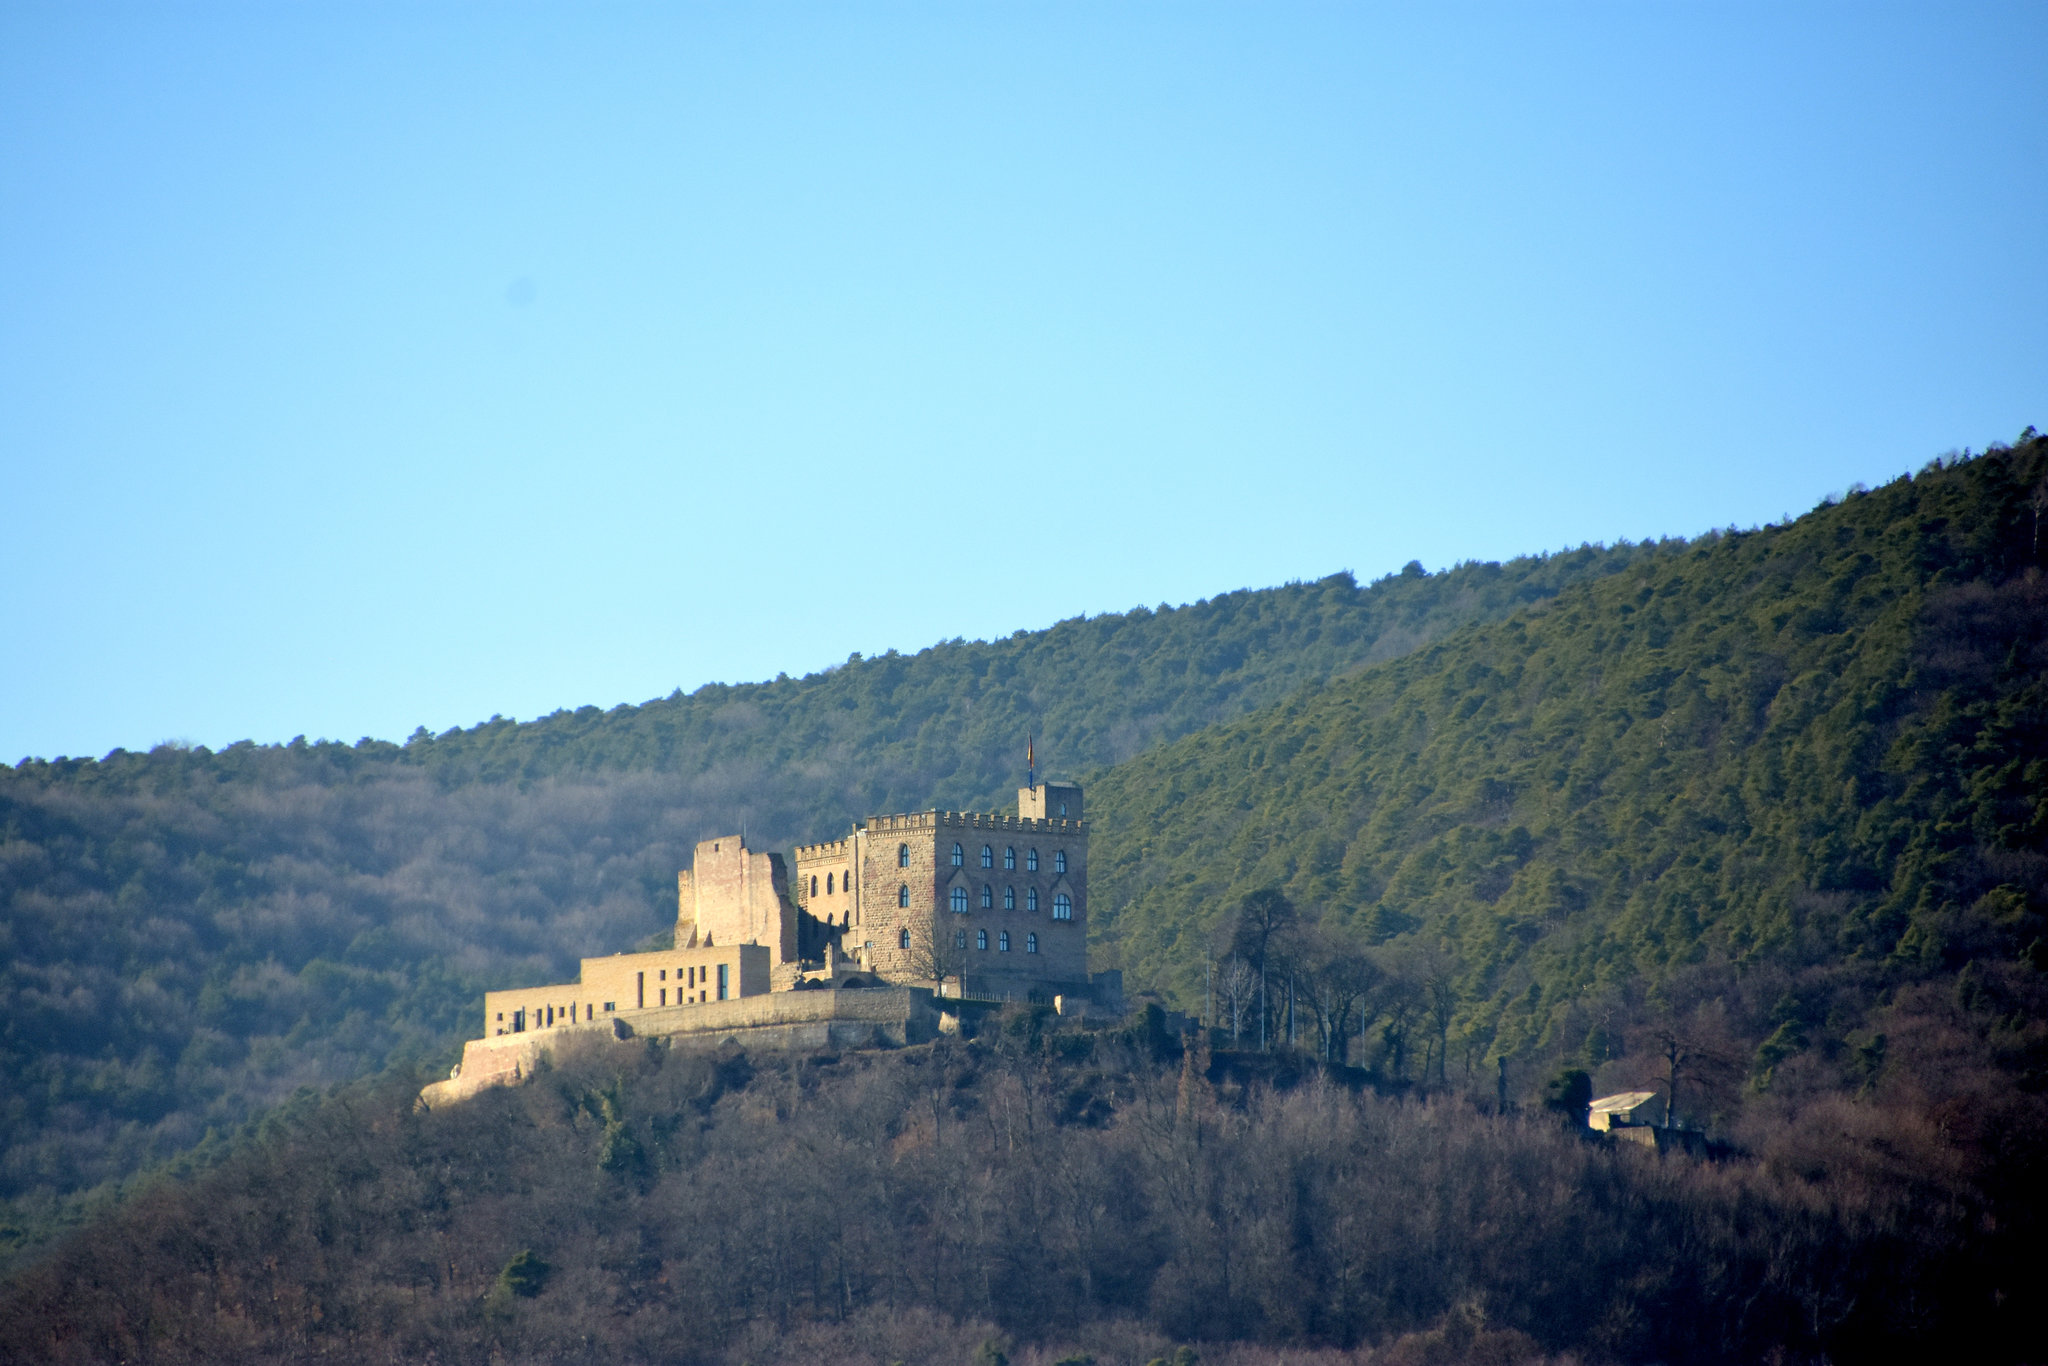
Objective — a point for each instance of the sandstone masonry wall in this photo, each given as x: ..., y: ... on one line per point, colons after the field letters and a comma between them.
x: 852, y: 1018
x: 733, y: 895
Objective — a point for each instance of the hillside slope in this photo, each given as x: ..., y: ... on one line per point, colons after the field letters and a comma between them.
x: 1061, y: 1195
x: 188, y: 936
x: 1759, y: 794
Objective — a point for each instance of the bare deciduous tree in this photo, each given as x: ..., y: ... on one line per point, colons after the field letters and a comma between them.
x: 1237, y: 983
x: 936, y: 954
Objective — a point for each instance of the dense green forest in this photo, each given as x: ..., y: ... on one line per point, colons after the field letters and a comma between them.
x: 1779, y: 799
x: 187, y: 937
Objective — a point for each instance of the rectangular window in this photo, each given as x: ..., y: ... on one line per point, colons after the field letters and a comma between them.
x: 610, y: 1006
x: 664, y: 996
x: 723, y: 981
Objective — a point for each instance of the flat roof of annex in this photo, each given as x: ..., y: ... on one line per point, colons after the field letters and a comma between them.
x: 952, y: 820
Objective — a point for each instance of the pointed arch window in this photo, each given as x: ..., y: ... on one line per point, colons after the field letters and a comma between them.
x: 1010, y: 857
x: 981, y: 940
x: 958, y: 900
x: 903, y: 895
x: 959, y: 856
x: 1059, y: 860
x: 814, y: 885
x: 1031, y: 942
x: 902, y: 856
x: 1031, y: 860
x: 988, y: 857
x: 1062, y: 907
x: 1003, y: 941
x: 903, y: 937
x: 1030, y: 898
x: 1009, y: 898
x: 988, y: 897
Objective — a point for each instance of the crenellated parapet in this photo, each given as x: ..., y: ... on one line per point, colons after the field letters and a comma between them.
x: 973, y: 820
x: 825, y: 849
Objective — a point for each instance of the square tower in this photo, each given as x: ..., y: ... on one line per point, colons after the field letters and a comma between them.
x: 1050, y: 802
x: 996, y: 906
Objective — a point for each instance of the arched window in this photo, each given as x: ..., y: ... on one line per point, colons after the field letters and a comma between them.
x: 1063, y: 810
x: 981, y: 940
x: 828, y: 884
x: 902, y: 856
x: 1031, y: 860
x: 903, y: 895
x: 1031, y: 942
x: 1059, y: 860
x: 959, y: 939
x: 1009, y: 856
x: 1030, y: 898
x: 958, y: 898
x: 988, y: 897
x: 1062, y: 907
x: 903, y: 937
x: 959, y: 856
x: 988, y: 857
x: 814, y: 886
x: 1003, y: 942
x: 1009, y: 898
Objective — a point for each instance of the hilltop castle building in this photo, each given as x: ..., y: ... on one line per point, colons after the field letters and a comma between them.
x: 994, y: 905
x: 945, y: 903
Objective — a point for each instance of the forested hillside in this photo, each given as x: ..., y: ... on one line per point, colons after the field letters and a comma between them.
x: 186, y: 937
x: 1761, y: 820
x: 1053, y: 1198
x: 1771, y: 812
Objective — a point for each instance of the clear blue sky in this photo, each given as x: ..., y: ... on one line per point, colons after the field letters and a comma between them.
x: 369, y: 366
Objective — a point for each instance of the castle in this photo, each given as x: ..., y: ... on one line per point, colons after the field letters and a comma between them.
x: 854, y: 949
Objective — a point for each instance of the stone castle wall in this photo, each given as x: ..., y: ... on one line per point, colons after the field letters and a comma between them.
x: 737, y: 937
x: 1058, y: 801
x: 876, y: 919
x: 624, y: 982
x: 829, y: 865
x: 850, y: 1018
x: 881, y: 878
x: 733, y: 895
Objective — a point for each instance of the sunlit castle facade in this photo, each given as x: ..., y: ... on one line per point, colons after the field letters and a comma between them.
x: 960, y: 903
x: 990, y: 905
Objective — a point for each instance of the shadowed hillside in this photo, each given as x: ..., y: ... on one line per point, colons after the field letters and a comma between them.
x: 1060, y: 1196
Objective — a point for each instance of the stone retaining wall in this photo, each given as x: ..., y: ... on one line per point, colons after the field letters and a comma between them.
x: 879, y: 1017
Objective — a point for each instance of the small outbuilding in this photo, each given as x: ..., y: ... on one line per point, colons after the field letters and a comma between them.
x: 1624, y: 1110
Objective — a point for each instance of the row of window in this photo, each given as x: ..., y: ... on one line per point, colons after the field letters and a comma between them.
x: 956, y: 900
x: 1059, y: 865
x: 980, y: 940
x: 988, y: 858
